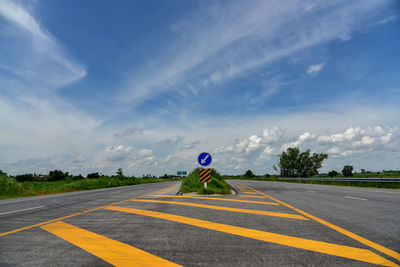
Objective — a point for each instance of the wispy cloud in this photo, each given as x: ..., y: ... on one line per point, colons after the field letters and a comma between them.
x: 386, y: 20
x: 172, y: 142
x: 313, y: 69
x: 131, y: 131
x: 32, y: 52
x: 210, y: 48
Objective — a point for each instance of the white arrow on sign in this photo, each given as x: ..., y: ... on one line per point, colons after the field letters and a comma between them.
x: 204, y: 160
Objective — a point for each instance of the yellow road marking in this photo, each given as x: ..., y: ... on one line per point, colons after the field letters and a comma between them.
x: 259, y: 212
x: 317, y: 246
x: 249, y: 192
x: 251, y: 196
x: 65, y: 217
x: 361, y: 239
x: 214, y: 198
x: 109, y: 250
x: 165, y: 190
x: 58, y: 219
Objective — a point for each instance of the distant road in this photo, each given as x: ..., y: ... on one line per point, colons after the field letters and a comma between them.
x: 266, y: 224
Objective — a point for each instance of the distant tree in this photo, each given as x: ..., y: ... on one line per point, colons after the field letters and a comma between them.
x: 78, y: 177
x: 347, y: 170
x: 40, y: 178
x: 267, y: 175
x: 166, y: 176
x: 24, y: 177
x: 3, y: 173
x: 293, y: 163
x: 363, y: 171
x: 57, y: 175
x: 119, y: 172
x: 93, y: 175
x: 249, y: 174
x: 332, y: 173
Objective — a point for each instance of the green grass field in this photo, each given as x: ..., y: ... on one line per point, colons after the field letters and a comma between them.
x: 9, y: 188
x: 192, y: 183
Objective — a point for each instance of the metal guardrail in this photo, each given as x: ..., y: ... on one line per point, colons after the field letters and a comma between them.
x: 372, y: 180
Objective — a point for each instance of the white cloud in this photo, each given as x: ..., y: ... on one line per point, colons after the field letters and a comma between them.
x: 142, y: 159
x: 303, y: 138
x: 168, y: 158
x: 312, y: 69
x: 210, y: 49
x: 386, y: 20
x: 51, y: 126
x: 356, y: 140
x: 254, y: 144
x: 172, y: 142
x: 33, y: 53
x: 39, y: 124
x: 272, y: 135
x: 144, y: 153
x: 190, y: 145
x: 131, y: 131
x: 266, y: 155
x: 118, y: 153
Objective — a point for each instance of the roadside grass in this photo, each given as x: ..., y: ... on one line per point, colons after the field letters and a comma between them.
x: 192, y: 183
x: 10, y: 188
x: 343, y: 183
x: 365, y: 175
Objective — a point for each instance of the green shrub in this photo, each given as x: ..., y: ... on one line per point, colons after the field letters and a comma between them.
x: 9, y: 187
x: 24, y: 177
x: 347, y: 171
x: 333, y: 173
x: 93, y: 175
x: 217, y: 185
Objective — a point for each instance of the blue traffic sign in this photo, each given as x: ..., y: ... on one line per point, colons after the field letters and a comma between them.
x: 204, y: 159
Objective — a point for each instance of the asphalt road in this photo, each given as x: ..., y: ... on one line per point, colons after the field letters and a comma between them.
x: 265, y: 224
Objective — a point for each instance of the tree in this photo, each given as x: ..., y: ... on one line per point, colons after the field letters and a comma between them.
x: 332, y: 173
x: 77, y: 177
x: 249, y: 173
x: 293, y: 163
x: 57, y: 175
x: 119, y: 172
x: 363, y: 171
x: 24, y: 177
x: 93, y: 175
x: 347, y: 170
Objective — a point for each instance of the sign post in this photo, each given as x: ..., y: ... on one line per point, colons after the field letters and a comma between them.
x: 204, y: 160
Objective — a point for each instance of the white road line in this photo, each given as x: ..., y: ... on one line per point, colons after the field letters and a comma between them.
x: 356, y: 198
x: 311, y: 191
x: 114, y: 193
x: 21, y: 210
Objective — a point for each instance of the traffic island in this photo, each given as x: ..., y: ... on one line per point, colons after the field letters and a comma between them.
x: 192, y: 184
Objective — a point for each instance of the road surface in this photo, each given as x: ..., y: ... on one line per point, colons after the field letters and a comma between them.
x: 265, y: 224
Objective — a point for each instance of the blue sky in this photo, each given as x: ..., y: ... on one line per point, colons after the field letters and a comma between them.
x: 148, y: 85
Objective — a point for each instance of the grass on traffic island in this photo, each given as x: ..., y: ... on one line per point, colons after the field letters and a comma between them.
x: 192, y: 183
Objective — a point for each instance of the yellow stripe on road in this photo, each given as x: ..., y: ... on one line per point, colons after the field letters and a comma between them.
x: 167, y: 189
x: 259, y: 212
x: 361, y: 239
x: 317, y: 246
x: 250, y: 192
x: 251, y: 196
x: 69, y: 216
x: 215, y: 198
x: 109, y: 250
